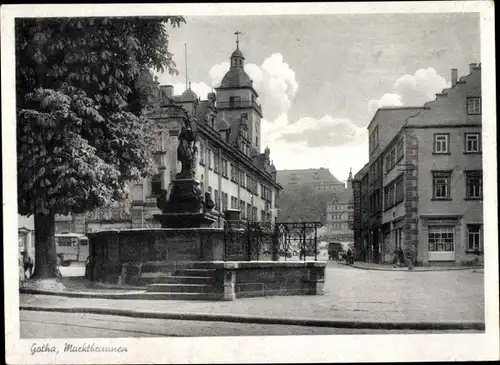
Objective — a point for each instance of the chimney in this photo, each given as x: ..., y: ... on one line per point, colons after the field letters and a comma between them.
x: 167, y: 90
x: 471, y: 67
x: 454, y: 76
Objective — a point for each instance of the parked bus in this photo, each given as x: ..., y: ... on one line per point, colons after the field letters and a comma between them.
x: 71, y: 247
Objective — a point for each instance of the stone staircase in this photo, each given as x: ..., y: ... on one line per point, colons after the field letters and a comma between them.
x: 192, y: 281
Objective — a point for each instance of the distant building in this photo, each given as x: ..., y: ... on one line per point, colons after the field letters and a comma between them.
x: 26, y: 235
x: 231, y: 167
x: 320, y: 179
x: 340, y: 215
x: 422, y: 187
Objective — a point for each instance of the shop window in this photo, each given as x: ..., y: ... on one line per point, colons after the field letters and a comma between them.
x: 441, y: 239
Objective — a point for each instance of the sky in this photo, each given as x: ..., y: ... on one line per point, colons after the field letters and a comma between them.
x: 320, y: 78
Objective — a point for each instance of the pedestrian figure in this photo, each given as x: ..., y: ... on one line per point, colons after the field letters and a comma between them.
x: 27, y: 264
x: 302, y: 254
x: 401, y: 257
x: 349, y: 256
x: 395, y: 260
x: 22, y: 276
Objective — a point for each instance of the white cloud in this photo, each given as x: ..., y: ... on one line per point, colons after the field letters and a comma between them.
x: 412, y: 90
x: 217, y: 72
x: 329, y: 142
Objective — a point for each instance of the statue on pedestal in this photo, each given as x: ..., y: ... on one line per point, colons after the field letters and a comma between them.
x: 187, y: 152
x: 185, y: 205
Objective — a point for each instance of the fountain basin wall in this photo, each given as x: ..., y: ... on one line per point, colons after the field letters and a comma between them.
x: 269, y: 278
x: 110, y: 250
x: 130, y: 256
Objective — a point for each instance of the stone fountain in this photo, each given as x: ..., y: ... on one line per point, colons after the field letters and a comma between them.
x: 186, y: 259
x: 186, y: 207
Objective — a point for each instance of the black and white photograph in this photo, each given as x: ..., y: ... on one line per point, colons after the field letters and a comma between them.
x: 204, y: 183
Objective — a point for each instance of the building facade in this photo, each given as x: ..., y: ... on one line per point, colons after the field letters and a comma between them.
x: 231, y: 167
x: 421, y: 190
x: 340, y: 215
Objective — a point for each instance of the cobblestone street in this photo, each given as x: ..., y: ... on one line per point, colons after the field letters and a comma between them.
x: 350, y: 293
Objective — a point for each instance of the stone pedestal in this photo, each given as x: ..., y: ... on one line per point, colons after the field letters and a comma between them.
x: 185, y: 207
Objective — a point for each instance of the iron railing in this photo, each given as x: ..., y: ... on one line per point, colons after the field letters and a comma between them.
x: 247, y: 240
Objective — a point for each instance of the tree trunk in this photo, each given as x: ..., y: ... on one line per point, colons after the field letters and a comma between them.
x: 45, y: 248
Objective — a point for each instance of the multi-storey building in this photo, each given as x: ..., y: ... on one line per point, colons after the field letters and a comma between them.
x: 231, y: 167
x: 422, y: 187
x: 340, y: 215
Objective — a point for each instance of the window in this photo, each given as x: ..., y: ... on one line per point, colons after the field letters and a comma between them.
x: 400, y: 149
x: 224, y: 201
x: 242, y: 178
x: 217, y: 164
x: 156, y: 184
x: 209, y: 158
x: 441, y: 143
x: 224, y: 167
x: 254, y: 213
x: 472, y: 142
x: 473, y: 182
x: 242, y: 209
x: 234, y: 174
x: 441, y: 184
x: 234, y: 101
x: 234, y: 202
x: 262, y: 216
x: 390, y: 160
x: 473, y: 106
x: 474, y: 237
x: 400, y: 190
x: 389, y: 196
x: 441, y: 239
x: 249, y: 211
x: 217, y: 200
x: 202, y: 153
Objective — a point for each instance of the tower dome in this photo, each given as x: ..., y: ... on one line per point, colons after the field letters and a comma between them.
x: 236, y: 76
x: 189, y: 95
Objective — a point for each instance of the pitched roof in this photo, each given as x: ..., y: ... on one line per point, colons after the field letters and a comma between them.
x: 306, y: 176
x: 344, y: 196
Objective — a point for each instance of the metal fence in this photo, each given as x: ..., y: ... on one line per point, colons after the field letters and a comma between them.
x: 245, y: 241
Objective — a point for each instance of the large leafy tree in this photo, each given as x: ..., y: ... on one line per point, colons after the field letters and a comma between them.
x: 82, y: 87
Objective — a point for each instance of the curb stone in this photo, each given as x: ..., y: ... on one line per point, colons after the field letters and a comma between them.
x: 132, y: 295
x: 310, y: 322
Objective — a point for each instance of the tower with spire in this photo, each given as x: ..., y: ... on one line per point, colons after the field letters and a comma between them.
x: 238, y: 99
x: 349, y: 179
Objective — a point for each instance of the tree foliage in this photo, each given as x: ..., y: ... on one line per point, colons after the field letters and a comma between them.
x: 304, y: 203
x: 82, y: 87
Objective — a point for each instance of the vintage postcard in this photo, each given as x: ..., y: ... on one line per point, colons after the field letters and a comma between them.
x: 214, y: 183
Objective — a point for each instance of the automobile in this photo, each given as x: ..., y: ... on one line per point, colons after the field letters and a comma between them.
x: 287, y: 254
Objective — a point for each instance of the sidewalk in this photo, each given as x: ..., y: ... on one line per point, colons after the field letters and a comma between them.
x: 387, y: 267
